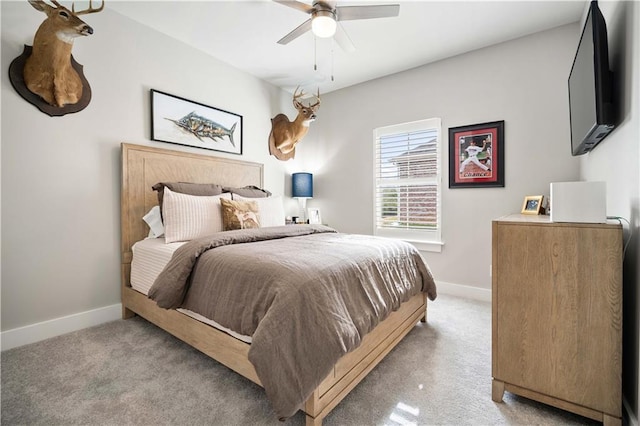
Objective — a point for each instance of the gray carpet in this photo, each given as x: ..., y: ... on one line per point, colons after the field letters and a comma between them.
x: 130, y: 372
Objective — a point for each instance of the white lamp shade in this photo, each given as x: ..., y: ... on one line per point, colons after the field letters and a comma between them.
x: 323, y: 26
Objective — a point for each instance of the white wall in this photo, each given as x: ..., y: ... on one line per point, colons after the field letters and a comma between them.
x: 523, y: 82
x: 61, y: 176
x: 616, y: 160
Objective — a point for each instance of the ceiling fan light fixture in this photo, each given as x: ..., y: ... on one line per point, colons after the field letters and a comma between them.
x: 324, y: 23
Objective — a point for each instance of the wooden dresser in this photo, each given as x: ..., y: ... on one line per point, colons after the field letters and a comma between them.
x: 557, y: 314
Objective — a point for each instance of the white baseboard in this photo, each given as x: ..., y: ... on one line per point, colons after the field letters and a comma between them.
x: 628, y: 417
x: 477, y: 293
x: 44, y: 330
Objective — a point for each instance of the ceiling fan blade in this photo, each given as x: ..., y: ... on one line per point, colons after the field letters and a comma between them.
x: 301, y: 29
x: 303, y: 7
x: 348, y: 13
x: 342, y: 38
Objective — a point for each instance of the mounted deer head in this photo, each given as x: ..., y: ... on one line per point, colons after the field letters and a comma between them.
x: 48, y: 72
x: 286, y: 134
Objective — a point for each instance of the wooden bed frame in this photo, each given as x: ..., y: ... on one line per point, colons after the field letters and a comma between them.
x: 142, y: 167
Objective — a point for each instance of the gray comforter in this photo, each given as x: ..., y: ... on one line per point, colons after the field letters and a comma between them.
x: 306, y: 294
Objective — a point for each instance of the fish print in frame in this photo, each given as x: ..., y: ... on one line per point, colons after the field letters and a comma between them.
x: 184, y: 122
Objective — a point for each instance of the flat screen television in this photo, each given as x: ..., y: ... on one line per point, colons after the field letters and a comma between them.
x: 591, y: 109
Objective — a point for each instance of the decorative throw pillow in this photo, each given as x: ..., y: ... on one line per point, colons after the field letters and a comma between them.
x: 271, y: 210
x: 249, y: 191
x: 200, y: 189
x: 187, y: 217
x: 154, y: 221
x: 239, y: 214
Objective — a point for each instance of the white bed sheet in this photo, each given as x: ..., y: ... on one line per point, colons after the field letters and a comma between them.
x: 149, y: 259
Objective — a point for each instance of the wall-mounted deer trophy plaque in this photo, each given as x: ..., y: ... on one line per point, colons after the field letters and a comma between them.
x: 286, y: 134
x: 46, y: 74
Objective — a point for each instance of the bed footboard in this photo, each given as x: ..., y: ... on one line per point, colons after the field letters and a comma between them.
x: 352, y: 368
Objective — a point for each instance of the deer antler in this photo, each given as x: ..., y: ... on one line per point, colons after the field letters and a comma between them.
x: 297, y: 104
x: 86, y: 11
x: 296, y: 96
x: 318, y: 98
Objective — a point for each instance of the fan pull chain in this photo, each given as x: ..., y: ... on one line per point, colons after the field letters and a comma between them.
x: 332, y: 46
x: 315, y: 54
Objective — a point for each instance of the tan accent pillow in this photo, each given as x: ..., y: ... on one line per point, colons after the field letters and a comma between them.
x: 239, y: 214
x: 187, y: 217
x: 271, y: 209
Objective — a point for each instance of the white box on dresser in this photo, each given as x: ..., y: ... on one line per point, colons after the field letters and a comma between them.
x: 579, y: 202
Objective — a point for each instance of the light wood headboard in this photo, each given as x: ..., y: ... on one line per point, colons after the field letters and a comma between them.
x: 143, y: 167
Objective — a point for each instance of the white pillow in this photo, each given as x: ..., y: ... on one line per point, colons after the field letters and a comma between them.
x: 153, y: 219
x: 187, y: 217
x: 271, y: 210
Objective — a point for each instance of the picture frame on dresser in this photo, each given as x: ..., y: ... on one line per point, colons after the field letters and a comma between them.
x: 533, y: 204
x: 476, y: 155
x: 184, y: 122
x: 314, y: 216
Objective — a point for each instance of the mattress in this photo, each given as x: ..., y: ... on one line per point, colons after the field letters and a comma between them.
x: 149, y: 259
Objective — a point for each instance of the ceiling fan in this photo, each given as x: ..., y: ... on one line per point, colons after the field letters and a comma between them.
x: 325, y: 16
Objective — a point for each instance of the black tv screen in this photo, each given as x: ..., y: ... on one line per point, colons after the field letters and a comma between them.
x: 590, y: 86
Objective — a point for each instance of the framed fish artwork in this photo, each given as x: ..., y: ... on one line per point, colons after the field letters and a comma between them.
x: 184, y: 122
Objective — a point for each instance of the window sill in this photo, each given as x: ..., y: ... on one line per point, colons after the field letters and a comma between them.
x: 431, y: 246
x: 423, y: 241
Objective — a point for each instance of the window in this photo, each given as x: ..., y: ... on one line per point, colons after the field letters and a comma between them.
x: 407, y: 183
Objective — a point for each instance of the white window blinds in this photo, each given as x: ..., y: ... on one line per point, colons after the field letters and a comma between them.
x: 407, y: 180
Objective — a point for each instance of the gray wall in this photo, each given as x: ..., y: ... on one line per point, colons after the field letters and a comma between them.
x: 523, y: 82
x: 61, y: 176
x: 617, y: 161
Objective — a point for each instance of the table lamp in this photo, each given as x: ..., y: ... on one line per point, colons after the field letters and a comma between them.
x: 302, y: 189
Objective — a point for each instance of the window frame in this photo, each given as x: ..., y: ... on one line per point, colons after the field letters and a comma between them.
x: 422, y: 239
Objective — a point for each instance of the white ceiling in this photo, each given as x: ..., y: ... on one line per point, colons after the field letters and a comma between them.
x: 244, y: 35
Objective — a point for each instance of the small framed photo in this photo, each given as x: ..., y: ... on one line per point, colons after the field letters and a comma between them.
x: 314, y: 216
x: 533, y: 204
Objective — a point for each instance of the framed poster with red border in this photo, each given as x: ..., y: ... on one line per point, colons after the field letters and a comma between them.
x: 476, y: 155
